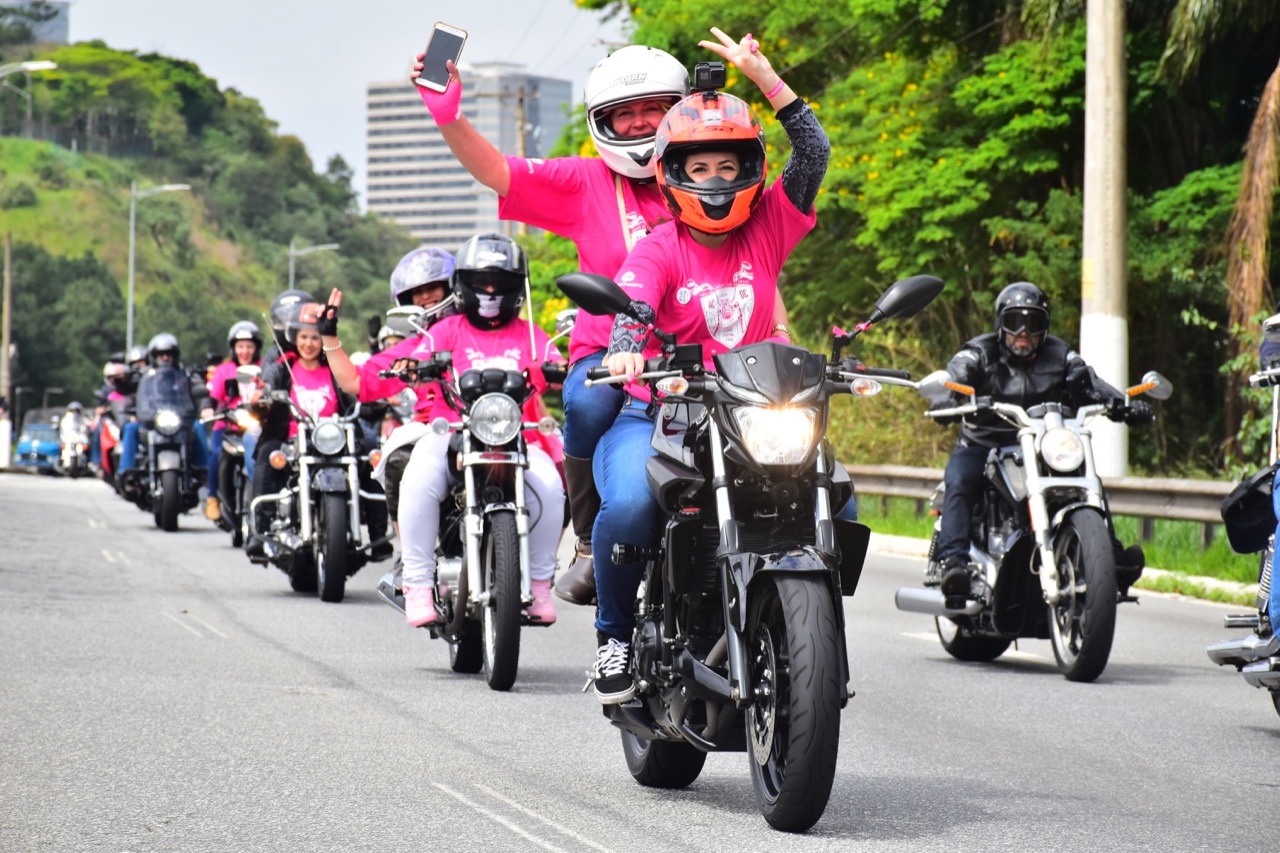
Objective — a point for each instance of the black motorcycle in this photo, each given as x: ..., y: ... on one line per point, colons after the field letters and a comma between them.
x: 166, y: 413
x: 1040, y: 548
x: 1250, y: 519
x: 482, y: 567
x: 233, y: 483
x: 316, y: 535
x: 739, y: 642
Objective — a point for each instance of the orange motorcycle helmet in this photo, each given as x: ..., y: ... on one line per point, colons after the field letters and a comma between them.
x: 710, y: 121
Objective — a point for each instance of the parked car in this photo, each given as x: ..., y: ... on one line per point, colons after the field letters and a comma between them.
x: 38, y: 446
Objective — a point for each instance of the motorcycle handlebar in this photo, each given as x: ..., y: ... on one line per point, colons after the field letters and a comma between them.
x: 880, y: 372
x: 1265, y: 378
x: 597, y: 374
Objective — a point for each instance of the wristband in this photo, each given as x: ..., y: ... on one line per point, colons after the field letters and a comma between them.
x: 769, y: 95
x: 333, y: 348
x: 445, y: 107
x: 781, y: 329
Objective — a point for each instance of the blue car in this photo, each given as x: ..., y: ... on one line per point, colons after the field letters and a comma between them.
x: 39, y: 447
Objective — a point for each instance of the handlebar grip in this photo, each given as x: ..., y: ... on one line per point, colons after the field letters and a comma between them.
x: 555, y: 373
x: 598, y: 373
x: 886, y: 372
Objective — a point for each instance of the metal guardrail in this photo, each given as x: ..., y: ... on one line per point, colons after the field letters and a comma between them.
x: 1147, y: 498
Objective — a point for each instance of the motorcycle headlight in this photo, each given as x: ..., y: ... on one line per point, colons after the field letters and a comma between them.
x: 168, y: 421
x: 495, y: 419
x: 329, y: 438
x: 244, y: 420
x: 776, y: 436
x: 1062, y: 450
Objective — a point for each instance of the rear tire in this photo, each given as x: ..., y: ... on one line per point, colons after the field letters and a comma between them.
x: 962, y: 643
x: 793, y: 728
x: 168, y: 500
x: 1083, y: 622
x: 331, y: 555
x: 662, y: 763
x: 500, y: 563
x: 467, y: 655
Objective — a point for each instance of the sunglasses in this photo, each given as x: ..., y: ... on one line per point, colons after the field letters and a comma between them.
x: 1029, y: 320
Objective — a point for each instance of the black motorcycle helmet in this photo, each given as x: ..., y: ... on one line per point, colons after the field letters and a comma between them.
x: 1022, y: 307
x: 490, y: 279
x: 285, y: 308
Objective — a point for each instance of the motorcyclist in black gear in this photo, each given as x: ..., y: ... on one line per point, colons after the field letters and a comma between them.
x: 1020, y: 363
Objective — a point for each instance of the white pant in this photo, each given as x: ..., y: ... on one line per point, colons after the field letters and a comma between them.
x: 425, y: 485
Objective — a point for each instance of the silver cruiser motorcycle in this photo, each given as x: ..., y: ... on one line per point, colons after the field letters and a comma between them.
x: 1040, y: 540
x: 739, y: 642
x: 482, y: 553
x: 1249, y: 515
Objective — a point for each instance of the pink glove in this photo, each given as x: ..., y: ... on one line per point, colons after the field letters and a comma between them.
x: 445, y: 107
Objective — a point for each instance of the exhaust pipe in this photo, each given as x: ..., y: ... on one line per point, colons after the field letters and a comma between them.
x: 1264, y: 673
x: 1243, y: 650
x: 914, y: 599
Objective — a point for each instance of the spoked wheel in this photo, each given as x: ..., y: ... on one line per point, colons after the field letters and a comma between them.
x: 662, y: 763
x: 500, y: 562
x: 331, y: 558
x: 961, y: 642
x: 1083, y: 622
x: 793, y: 726
x: 168, y: 499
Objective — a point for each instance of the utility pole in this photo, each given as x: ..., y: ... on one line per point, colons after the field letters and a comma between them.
x: 1104, y: 311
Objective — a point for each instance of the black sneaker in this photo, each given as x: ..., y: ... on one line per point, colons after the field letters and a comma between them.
x: 956, y: 584
x: 612, y: 673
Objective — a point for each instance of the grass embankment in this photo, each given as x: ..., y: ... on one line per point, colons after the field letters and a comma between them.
x: 1175, y: 548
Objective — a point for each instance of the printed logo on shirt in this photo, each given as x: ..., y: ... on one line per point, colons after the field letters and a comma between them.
x: 508, y: 360
x: 727, y: 312
x: 532, y: 164
x: 683, y: 295
x: 628, y: 279
x: 313, y: 400
x: 744, y: 273
x: 637, y: 226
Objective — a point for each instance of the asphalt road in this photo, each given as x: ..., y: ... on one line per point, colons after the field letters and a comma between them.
x: 160, y: 693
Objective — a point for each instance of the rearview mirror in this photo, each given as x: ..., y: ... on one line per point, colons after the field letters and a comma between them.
x: 565, y: 320
x: 247, y: 374
x: 907, y: 298
x: 595, y: 294
x: 1160, y: 388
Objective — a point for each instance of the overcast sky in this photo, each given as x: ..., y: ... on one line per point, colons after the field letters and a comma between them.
x: 308, y: 62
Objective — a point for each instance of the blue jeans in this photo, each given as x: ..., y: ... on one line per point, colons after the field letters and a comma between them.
x: 628, y: 515
x: 1273, y: 608
x: 250, y: 448
x: 588, y: 412
x: 215, y: 453
x: 963, y: 480
x: 197, y: 447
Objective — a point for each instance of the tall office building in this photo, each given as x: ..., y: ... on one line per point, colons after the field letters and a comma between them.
x: 414, y: 180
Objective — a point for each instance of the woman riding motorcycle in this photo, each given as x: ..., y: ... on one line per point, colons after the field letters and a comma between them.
x: 244, y: 342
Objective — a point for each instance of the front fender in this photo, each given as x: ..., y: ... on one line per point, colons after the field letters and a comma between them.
x: 168, y: 460
x: 741, y: 569
x: 329, y: 480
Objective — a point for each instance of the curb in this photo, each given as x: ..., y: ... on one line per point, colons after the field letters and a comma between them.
x: 908, y: 546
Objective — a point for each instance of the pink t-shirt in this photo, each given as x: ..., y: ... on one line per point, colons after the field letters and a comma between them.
x: 723, y: 297
x: 577, y: 198
x: 218, y: 388
x: 314, y: 392
x: 506, y: 348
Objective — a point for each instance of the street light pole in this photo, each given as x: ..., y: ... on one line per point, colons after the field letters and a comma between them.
x: 27, y: 68
x: 298, y: 253
x: 134, y: 195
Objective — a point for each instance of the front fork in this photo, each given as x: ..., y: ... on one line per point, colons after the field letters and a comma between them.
x: 473, y: 527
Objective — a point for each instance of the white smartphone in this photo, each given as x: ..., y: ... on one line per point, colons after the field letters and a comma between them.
x: 445, y: 44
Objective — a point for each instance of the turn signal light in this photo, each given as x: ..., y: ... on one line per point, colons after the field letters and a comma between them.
x: 278, y: 460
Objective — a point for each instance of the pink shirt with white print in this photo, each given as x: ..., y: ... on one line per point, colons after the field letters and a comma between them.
x: 577, y: 198
x: 314, y: 392
x: 722, y: 297
x: 506, y: 348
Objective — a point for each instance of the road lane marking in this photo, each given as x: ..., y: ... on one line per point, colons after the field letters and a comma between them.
x: 927, y: 636
x: 97, y: 525
x: 106, y: 555
x: 557, y: 827
x: 499, y: 819
x: 195, y: 618
x: 182, y: 624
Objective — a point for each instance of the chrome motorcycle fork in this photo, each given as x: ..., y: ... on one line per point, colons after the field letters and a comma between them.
x: 522, y: 537
x: 353, y: 490
x: 304, y: 488
x: 1038, y: 509
x: 473, y: 528
x: 728, y: 544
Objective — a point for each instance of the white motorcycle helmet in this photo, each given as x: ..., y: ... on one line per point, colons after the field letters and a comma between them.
x: 631, y: 73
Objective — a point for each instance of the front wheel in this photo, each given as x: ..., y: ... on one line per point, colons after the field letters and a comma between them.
x: 793, y: 724
x: 331, y: 553
x: 168, y: 500
x: 662, y: 763
x: 500, y: 564
x: 1083, y: 622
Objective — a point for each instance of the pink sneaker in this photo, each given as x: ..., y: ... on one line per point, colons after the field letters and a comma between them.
x: 543, y: 608
x: 420, y: 606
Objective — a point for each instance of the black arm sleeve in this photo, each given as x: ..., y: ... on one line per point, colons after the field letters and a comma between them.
x: 810, y: 151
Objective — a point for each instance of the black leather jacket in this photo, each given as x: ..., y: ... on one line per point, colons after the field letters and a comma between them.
x: 1056, y: 374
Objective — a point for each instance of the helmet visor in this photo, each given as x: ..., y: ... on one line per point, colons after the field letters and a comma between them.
x: 1033, y: 321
